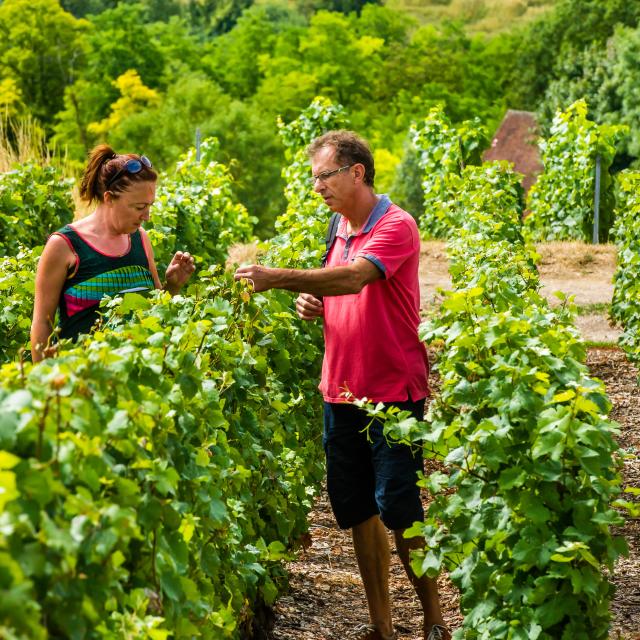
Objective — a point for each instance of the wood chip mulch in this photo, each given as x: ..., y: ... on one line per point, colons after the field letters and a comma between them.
x: 621, y: 380
x: 326, y: 599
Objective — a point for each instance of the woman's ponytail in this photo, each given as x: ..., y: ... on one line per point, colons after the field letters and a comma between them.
x: 92, y: 185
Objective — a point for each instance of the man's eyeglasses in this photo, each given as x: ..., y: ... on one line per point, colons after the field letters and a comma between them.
x: 132, y: 166
x: 325, y: 175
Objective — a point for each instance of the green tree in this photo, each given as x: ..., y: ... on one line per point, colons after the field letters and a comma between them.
x: 11, y: 103
x: 383, y: 22
x: 341, y: 6
x: 121, y: 41
x: 344, y: 62
x: 166, y: 127
x: 82, y: 8
x: 43, y: 48
x: 607, y: 76
x: 548, y: 43
x: 134, y: 97
x: 235, y: 60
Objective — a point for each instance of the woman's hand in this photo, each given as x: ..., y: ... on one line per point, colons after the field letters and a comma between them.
x: 179, y: 271
x: 309, y: 307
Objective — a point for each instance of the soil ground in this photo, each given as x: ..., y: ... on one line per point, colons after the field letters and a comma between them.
x: 581, y: 270
x: 326, y: 599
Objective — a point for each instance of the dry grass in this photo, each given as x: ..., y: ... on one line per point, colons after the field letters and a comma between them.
x: 563, y: 259
x: 480, y: 16
x: 242, y: 254
x: 22, y: 140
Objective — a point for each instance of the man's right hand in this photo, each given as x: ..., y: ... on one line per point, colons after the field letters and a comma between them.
x: 309, y: 307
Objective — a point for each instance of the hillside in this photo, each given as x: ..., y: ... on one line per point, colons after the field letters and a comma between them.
x: 479, y: 16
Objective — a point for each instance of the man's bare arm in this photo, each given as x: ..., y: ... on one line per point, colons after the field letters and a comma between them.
x: 330, y: 281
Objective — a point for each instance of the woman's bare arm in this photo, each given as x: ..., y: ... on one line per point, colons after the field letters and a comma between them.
x: 54, y: 265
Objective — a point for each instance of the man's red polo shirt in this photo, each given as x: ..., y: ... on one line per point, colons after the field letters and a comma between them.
x: 372, y: 347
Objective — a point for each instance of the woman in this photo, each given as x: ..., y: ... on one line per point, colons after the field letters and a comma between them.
x: 104, y: 254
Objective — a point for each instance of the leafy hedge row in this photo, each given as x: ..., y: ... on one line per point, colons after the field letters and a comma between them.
x: 561, y: 201
x: 443, y: 150
x: 17, y: 285
x: 34, y: 201
x: 625, y: 306
x: 156, y: 474
x: 523, y: 517
x: 153, y: 477
x: 194, y: 211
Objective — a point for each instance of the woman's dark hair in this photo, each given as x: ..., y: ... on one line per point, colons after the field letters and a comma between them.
x: 350, y: 149
x: 104, y: 163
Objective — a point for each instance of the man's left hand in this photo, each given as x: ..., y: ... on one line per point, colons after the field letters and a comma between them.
x: 260, y: 277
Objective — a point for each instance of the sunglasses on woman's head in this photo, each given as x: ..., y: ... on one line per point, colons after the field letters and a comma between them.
x: 132, y: 166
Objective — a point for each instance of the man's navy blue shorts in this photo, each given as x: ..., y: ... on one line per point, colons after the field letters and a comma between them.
x: 368, y: 475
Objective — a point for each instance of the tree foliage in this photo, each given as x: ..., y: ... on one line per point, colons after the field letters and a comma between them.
x: 558, y: 37
x: 43, y: 49
x: 230, y: 70
x: 606, y: 77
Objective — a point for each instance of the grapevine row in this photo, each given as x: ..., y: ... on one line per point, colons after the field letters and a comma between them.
x: 155, y: 475
x: 163, y: 466
x: 522, y: 516
x: 625, y: 307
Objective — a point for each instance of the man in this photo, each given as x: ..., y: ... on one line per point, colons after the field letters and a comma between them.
x: 368, y: 297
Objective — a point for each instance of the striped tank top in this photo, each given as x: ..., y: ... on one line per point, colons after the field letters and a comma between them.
x: 96, y: 275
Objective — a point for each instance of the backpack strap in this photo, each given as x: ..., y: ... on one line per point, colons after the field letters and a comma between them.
x: 332, y: 230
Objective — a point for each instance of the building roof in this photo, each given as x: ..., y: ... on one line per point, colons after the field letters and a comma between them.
x: 515, y: 141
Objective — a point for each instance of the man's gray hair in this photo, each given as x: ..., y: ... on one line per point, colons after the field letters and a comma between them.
x: 350, y: 149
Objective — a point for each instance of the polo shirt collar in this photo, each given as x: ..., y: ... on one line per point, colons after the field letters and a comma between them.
x: 384, y: 202
x: 379, y: 210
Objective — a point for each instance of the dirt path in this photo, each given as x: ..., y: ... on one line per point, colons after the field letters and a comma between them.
x: 621, y: 379
x: 326, y: 600
x: 582, y: 270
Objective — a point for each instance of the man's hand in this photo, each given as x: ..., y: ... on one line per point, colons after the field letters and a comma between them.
x: 179, y: 271
x: 309, y: 307
x: 332, y: 281
x: 260, y: 277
